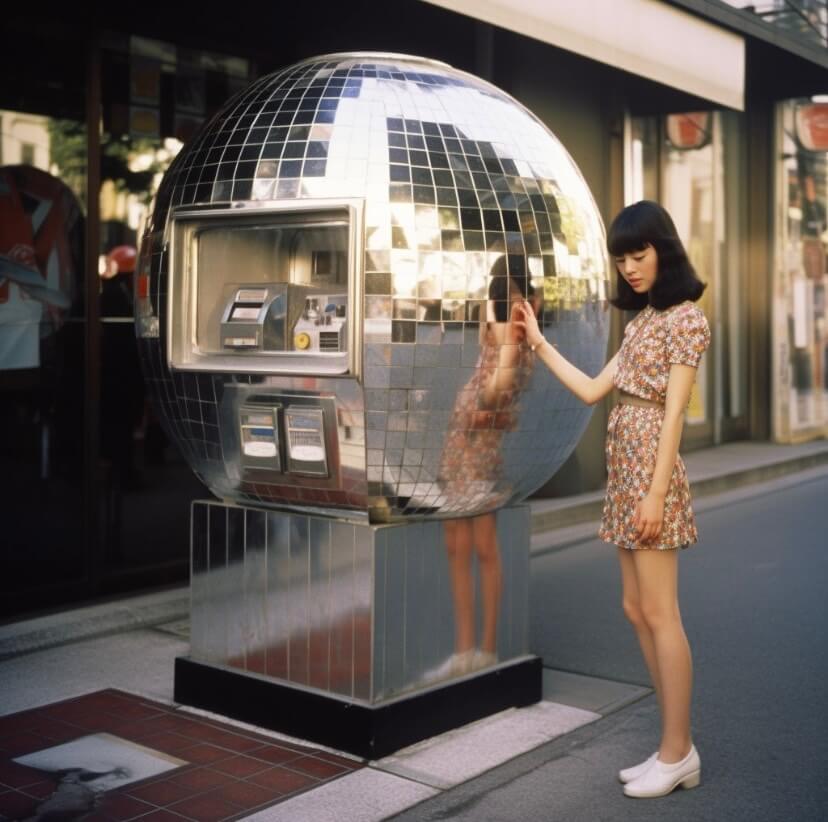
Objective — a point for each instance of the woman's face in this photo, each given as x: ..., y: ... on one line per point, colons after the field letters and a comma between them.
x: 639, y: 268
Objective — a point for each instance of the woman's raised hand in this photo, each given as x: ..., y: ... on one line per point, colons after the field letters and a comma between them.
x: 523, y: 316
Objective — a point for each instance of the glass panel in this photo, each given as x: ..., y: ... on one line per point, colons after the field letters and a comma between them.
x: 800, y: 322
x: 689, y: 194
x: 732, y: 231
x: 42, y: 204
x: 155, y: 95
x: 643, y: 174
x: 694, y: 164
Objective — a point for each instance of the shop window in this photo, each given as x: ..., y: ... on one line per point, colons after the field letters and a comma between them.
x: 42, y: 203
x: 155, y: 95
x: 692, y: 163
x: 801, y: 272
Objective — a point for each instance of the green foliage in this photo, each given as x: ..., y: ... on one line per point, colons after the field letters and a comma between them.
x: 67, y: 148
x: 115, y: 165
x: 68, y: 154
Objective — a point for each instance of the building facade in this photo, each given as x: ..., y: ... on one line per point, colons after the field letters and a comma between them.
x: 94, y: 107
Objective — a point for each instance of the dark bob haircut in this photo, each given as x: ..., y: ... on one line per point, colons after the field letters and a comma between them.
x: 643, y: 224
x: 508, y: 271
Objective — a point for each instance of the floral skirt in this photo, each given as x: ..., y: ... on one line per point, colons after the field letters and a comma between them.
x: 631, y: 448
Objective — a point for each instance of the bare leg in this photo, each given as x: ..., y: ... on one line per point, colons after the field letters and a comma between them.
x: 459, y: 548
x: 484, y: 529
x: 631, y: 604
x: 657, y: 575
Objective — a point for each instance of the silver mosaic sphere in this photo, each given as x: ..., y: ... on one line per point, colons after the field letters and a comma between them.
x: 324, y: 286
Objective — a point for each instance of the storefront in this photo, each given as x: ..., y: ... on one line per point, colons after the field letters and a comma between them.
x: 800, y: 288
x: 94, y: 109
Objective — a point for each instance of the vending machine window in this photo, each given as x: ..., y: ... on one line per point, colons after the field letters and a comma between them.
x: 266, y: 290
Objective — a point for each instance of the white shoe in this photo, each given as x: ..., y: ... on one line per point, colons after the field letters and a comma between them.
x: 483, y: 659
x: 628, y: 774
x: 661, y: 777
x: 455, y: 665
x: 462, y: 663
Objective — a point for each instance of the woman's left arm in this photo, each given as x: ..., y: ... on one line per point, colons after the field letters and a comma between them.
x: 649, y: 516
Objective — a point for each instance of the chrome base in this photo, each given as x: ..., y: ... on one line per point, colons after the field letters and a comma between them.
x: 358, y: 612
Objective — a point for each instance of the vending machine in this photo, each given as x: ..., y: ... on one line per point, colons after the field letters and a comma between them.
x: 322, y: 304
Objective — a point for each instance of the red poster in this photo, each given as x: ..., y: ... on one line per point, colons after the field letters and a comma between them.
x: 688, y: 131
x: 40, y: 241
x: 812, y: 126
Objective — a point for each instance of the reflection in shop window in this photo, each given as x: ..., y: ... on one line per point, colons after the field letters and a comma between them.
x: 689, y: 193
x: 41, y: 237
x: 800, y: 326
x: 692, y: 163
x: 155, y: 96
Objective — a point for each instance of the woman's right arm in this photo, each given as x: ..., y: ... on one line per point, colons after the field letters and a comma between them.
x: 588, y: 389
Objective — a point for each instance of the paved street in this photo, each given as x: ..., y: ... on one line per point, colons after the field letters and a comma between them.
x: 754, y: 605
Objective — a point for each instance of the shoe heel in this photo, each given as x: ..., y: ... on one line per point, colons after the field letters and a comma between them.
x: 691, y: 781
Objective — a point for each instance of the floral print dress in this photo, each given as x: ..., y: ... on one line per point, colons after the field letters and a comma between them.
x: 653, y: 341
x: 471, y: 464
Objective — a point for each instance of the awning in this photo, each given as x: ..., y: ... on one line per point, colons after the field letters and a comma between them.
x: 644, y: 37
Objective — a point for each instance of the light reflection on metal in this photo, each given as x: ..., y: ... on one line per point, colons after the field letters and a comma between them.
x: 438, y: 175
x: 358, y: 611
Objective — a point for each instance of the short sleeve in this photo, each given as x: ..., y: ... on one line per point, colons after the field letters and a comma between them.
x: 688, y: 338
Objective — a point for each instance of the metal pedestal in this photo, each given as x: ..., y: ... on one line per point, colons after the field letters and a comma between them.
x: 351, y: 634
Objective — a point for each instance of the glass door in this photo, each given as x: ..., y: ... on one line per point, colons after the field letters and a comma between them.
x: 692, y: 164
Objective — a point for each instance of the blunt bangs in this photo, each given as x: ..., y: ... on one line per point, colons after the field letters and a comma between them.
x: 627, y: 235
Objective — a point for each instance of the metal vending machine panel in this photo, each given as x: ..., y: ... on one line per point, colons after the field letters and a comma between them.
x: 266, y: 290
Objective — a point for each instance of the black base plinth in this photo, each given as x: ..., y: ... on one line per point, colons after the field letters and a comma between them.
x: 367, y: 731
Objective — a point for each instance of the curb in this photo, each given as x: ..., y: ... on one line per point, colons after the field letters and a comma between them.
x: 93, y: 621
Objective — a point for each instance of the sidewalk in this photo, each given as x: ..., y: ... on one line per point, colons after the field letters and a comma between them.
x: 130, y: 645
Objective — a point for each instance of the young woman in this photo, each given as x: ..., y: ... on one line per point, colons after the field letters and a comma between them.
x: 647, y: 512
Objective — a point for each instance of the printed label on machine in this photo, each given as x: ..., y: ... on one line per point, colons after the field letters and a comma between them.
x: 305, y: 439
x: 260, y: 449
x: 259, y: 437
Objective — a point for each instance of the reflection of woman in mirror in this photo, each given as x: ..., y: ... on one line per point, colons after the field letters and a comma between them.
x: 471, y: 463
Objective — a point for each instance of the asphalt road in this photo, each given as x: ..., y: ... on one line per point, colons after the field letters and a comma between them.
x: 754, y: 599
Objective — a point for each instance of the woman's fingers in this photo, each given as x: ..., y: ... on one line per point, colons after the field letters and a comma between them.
x: 650, y: 531
x: 645, y: 529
